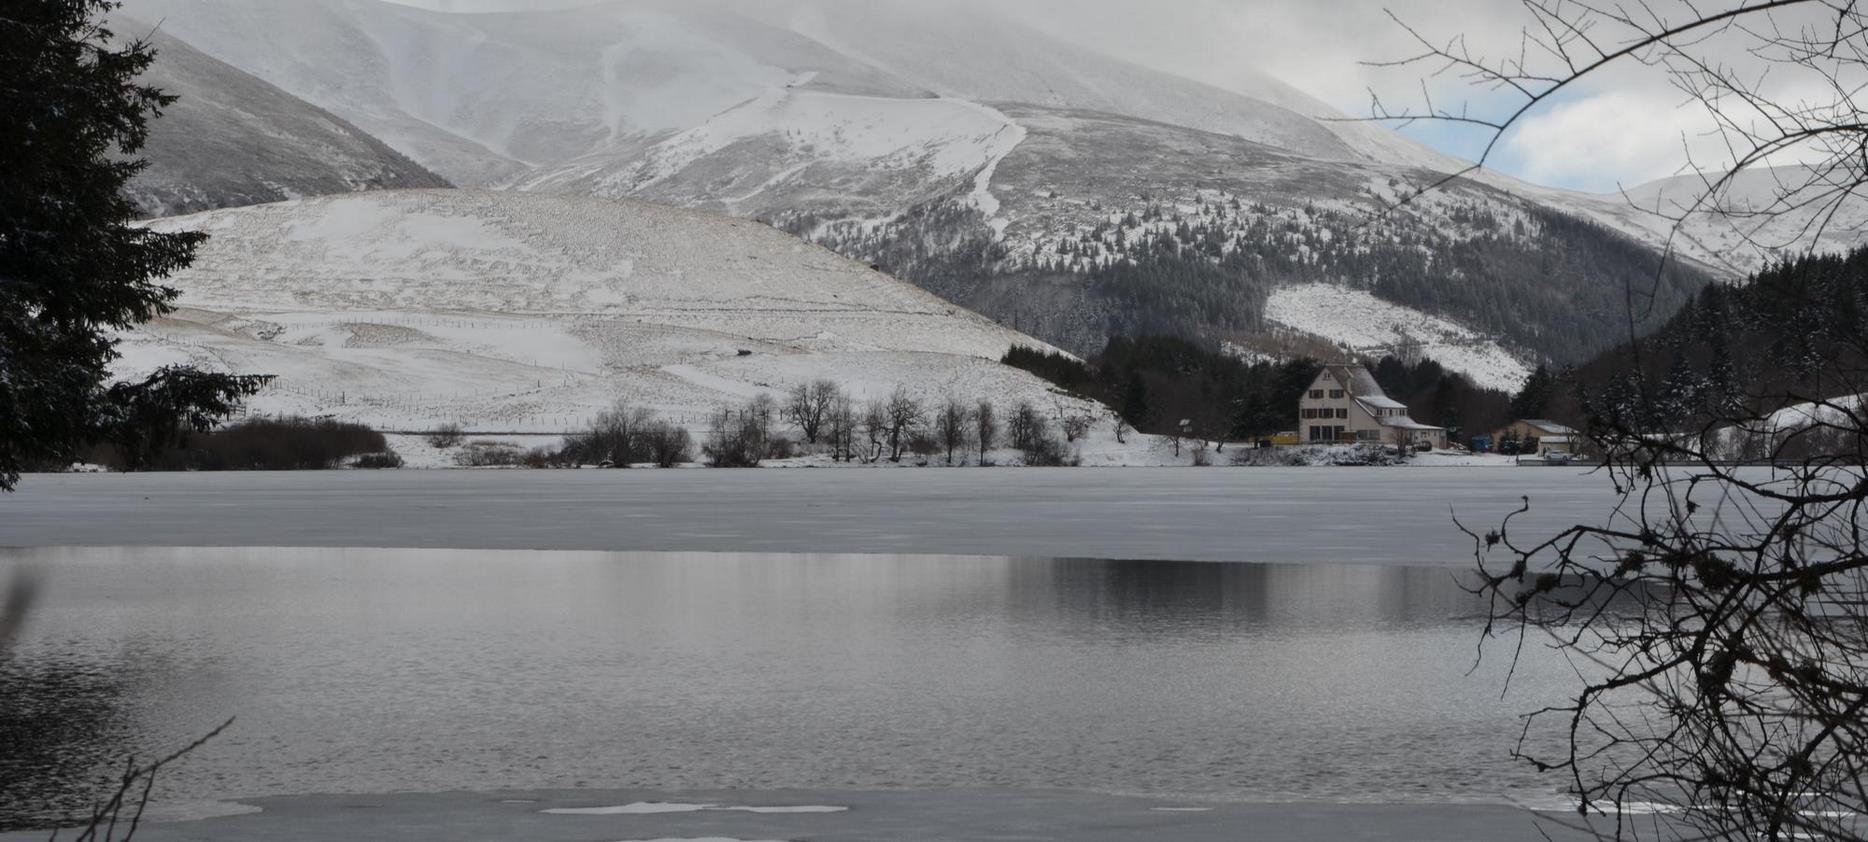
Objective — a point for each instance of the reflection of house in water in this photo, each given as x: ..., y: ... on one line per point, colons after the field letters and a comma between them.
x: 1345, y: 404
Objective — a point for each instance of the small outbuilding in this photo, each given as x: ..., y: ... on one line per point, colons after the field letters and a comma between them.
x: 1551, y: 437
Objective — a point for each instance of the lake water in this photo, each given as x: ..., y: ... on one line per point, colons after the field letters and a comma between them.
x: 373, y: 671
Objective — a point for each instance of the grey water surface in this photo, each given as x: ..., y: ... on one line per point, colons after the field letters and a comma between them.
x: 407, y: 671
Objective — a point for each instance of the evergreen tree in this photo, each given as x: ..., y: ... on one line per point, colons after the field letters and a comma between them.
x: 1533, y: 401
x: 72, y: 269
x: 1135, y: 400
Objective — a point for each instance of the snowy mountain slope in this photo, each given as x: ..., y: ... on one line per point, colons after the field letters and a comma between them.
x: 515, y: 312
x: 792, y: 151
x: 233, y: 140
x: 1085, y: 243
x: 954, y: 147
x: 1762, y: 215
x: 539, y: 89
x: 1360, y: 321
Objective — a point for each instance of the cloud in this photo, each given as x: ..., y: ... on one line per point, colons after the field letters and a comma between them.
x: 1610, y: 139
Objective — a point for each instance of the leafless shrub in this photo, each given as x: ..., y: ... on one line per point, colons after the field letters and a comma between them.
x: 741, y: 436
x: 446, y: 436
x: 668, y: 445
x: 484, y: 453
x: 387, y: 460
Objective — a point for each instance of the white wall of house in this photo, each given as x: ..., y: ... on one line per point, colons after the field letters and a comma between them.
x: 1328, y: 413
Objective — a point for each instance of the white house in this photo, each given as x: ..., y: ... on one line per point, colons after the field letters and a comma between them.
x: 1345, y: 404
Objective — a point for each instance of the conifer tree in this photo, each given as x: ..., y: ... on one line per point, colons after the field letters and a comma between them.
x: 73, y: 270
x: 1533, y: 400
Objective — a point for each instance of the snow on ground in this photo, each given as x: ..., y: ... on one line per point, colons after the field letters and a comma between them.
x: 1451, y: 459
x: 1361, y: 321
x: 525, y: 313
x: 949, y: 137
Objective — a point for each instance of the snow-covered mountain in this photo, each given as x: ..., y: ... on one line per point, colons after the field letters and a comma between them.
x: 232, y: 139
x: 514, y: 312
x: 1043, y: 184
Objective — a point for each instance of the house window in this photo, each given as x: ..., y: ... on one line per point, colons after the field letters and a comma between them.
x: 1336, y: 393
x: 1368, y: 435
x: 1343, y: 413
x: 1316, y: 394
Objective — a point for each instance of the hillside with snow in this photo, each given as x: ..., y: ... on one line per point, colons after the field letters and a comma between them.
x: 518, y: 312
x: 1361, y: 323
x: 231, y: 139
x: 1054, y: 188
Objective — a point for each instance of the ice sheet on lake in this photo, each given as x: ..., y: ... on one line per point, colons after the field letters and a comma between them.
x: 654, y: 807
x: 702, y: 839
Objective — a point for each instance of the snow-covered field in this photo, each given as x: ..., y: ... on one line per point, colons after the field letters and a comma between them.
x: 516, y: 312
x: 1361, y: 321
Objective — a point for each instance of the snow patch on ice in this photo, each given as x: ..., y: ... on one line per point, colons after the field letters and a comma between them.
x: 639, y: 808
x: 701, y: 839
x: 1361, y: 321
x: 636, y: 808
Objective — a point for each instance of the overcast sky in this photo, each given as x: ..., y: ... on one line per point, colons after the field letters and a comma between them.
x: 1624, y: 129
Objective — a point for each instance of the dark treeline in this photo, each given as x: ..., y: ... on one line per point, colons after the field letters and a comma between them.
x: 1790, y: 334
x: 261, y: 444
x: 1157, y: 382
x: 1446, y: 398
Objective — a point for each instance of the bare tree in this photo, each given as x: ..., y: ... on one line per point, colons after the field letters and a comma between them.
x: 1072, y: 419
x: 904, y: 417
x: 808, y: 406
x: 951, y: 428
x: 1121, y: 427
x: 1722, y: 612
x: 875, y: 426
x: 841, y: 426
x: 986, y: 425
x: 1731, y: 60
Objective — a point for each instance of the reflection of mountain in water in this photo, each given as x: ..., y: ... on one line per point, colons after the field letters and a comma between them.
x: 380, y: 670
x: 1262, y: 598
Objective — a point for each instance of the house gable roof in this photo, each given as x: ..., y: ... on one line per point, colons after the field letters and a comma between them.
x: 1368, y: 394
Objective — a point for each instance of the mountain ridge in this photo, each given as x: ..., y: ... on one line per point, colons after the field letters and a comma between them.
x: 960, y: 152
x: 232, y: 139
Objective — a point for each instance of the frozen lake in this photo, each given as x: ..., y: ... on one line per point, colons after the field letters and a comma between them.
x: 1298, y: 515
x: 380, y: 671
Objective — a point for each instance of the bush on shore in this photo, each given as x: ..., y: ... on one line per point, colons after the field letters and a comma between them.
x: 263, y: 444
